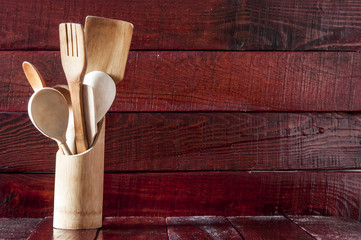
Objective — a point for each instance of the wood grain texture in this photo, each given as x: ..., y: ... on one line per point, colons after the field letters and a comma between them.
x: 268, y: 227
x: 45, y: 231
x: 107, y: 45
x: 201, y: 25
x: 194, y: 227
x: 209, y: 81
x: 201, y: 227
x: 321, y: 227
x: 199, y: 141
x: 199, y: 193
x: 17, y: 228
x: 232, y: 141
x: 151, y: 228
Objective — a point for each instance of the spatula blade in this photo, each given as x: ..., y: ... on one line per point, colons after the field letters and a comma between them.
x: 107, y: 43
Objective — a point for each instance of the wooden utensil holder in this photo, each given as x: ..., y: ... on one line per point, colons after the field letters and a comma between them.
x: 78, y: 194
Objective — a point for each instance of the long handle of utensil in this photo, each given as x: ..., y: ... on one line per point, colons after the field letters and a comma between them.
x: 78, y: 114
x: 89, y: 113
x: 64, y: 148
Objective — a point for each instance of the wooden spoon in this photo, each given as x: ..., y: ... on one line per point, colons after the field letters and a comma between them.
x: 107, y: 42
x: 99, y: 92
x: 37, y: 82
x: 34, y: 78
x: 48, y: 111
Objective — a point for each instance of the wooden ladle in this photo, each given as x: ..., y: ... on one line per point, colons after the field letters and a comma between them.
x: 48, y: 111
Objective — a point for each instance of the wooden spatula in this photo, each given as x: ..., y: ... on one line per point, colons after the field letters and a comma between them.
x: 107, y: 44
x: 73, y: 59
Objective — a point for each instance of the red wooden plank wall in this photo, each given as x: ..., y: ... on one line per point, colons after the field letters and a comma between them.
x: 227, y: 108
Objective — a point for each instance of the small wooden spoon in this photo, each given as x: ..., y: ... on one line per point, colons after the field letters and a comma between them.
x: 34, y: 78
x: 48, y: 110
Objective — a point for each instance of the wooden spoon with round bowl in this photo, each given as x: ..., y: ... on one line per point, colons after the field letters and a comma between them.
x: 37, y: 82
x: 48, y: 111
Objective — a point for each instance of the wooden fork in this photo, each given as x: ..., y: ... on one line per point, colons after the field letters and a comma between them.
x: 73, y: 59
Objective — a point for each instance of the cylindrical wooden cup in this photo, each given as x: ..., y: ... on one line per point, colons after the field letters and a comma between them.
x: 78, y: 194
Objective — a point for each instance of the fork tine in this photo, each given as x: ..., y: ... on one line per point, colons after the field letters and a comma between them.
x: 63, y: 40
x: 75, y: 38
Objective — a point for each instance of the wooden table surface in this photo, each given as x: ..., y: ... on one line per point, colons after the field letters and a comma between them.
x: 191, y: 227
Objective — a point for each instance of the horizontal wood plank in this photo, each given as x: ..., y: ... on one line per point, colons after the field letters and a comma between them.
x: 321, y: 227
x: 118, y: 228
x: 209, y: 81
x: 207, y: 24
x: 201, y: 228
x: 198, y: 193
x: 199, y: 141
x: 268, y: 227
x: 45, y: 231
x: 17, y: 228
